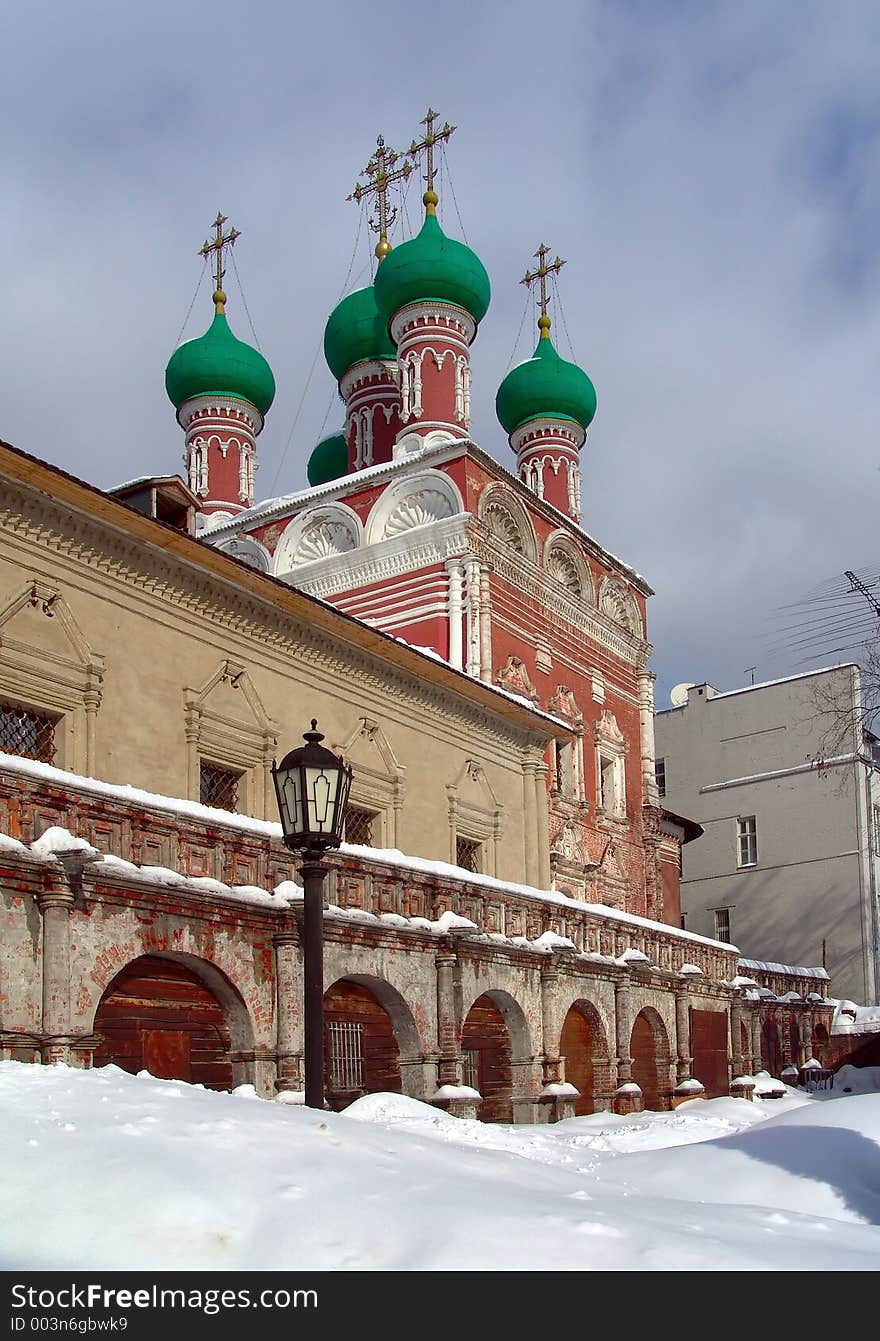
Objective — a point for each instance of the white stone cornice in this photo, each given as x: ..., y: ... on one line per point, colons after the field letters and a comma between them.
x: 540, y: 433
x: 454, y: 321
x: 385, y: 369
x: 206, y: 409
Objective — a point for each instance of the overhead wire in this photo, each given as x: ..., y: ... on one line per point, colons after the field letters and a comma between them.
x: 558, y: 302
x: 522, y: 321
x: 244, y: 299
x: 193, y: 303
x: 447, y: 176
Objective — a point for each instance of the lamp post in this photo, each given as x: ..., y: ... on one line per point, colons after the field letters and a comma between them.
x: 312, y: 786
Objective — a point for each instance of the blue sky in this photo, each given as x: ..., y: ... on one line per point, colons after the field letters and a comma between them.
x: 710, y: 173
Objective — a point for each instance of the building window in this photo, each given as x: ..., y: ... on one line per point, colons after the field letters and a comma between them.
x: 467, y: 853
x: 612, y: 798
x: 877, y: 831
x: 564, y: 768
x: 660, y: 775
x: 30, y: 734
x: 747, y: 840
x: 346, y: 1055
x: 218, y: 786
x: 722, y: 924
x: 360, y: 826
x: 470, y: 1068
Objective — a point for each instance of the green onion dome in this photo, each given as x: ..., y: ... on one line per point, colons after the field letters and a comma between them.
x: 329, y: 460
x: 545, y: 387
x: 355, y: 333
x: 218, y: 364
x: 432, y: 266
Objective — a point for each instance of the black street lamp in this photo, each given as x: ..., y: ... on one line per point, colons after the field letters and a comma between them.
x: 312, y: 786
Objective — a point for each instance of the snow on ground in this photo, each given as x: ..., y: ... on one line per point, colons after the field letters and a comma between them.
x: 111, y: 1171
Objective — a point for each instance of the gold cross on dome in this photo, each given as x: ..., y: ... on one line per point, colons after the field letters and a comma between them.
x: 221, y: 241
x: 382, y: 171
x: 426, y: 146
x: 540, y: 275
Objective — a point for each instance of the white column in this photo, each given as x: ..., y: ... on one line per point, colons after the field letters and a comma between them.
x: 455, y: 607
x: 650, y: 794
x: 485, y: 627
x: 472, y: 568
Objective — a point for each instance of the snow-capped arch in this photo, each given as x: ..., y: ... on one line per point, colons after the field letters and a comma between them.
x: 415, y: 500
x: 248, y: 550
x: 620, y: 606
x: 318, y: 533
x: 565, y: 564
x: 505, y: 517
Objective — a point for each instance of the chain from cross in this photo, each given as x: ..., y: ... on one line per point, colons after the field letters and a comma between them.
x: 382, y: 171
x: 221, y: 241
x: 426, y: 146
x: 539, y: 275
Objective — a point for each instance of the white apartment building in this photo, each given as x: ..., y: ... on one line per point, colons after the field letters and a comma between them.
x: 785, y: 781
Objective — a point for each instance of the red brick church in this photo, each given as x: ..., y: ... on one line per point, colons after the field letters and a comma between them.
x: 503, y: 931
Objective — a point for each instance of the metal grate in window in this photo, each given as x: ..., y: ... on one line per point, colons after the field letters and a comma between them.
x: 359, y: 826
x: 218, y: 786
x: 470, y: 1068
x: 467, y: 854
x: 27, y: 733
x: 346, y: 1055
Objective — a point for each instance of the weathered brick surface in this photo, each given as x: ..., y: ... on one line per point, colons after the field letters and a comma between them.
x: 428, y: 987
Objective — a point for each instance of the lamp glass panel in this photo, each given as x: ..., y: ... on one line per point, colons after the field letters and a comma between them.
x: 320, y: 794
x: 290, y: 793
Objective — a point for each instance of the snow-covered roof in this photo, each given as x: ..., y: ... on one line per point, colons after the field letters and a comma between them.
x: 260, y: 513
x: 791, y: 970
x: 390, y: 856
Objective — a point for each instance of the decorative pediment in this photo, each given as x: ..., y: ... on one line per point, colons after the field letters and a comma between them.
x: 368, y: 748
x: 507, y: 521
x: 415, y: 500
x: 565, y: 564
x: 514, y: 677
x: 37, y: 620
x: 472, y: 785
x: 229, y: 700
x: 247, y: 550
x: 563, y: 569
x: 618, y: 604
x: 609, y: 733
x: 318, y: 533
x: 564, y: 705
x: 609, y: 864
x: 569, y: 845
x: 323, y: 537
x: 428, y: 505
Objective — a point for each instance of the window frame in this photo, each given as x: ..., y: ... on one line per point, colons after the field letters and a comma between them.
x: 660, y: 775
x: 240, y: 776
x: 375, y: 819
x: 722, y: 915
x: 746, y: 841
x: 477, y: 845
x: 55, y: 720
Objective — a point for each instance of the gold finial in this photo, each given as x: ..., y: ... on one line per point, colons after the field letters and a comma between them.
x: 540, y: 274
x: 426, y: 146
x: 382, y: 170
x: 220, y: 241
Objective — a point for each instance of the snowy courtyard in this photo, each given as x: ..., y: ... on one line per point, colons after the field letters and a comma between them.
x: 213, y: 1181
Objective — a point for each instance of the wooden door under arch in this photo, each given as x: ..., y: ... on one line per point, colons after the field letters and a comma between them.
x: 579, y: 1046
x: 158, y: 1016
